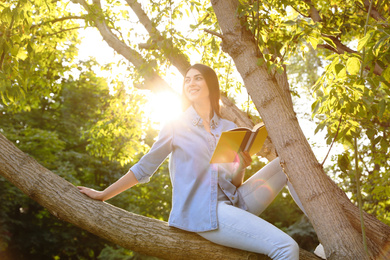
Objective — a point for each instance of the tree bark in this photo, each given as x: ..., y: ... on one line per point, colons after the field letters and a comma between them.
x: 335, y: 219
x: 141, y: 234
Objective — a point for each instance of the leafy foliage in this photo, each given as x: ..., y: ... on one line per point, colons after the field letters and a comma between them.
x: 90, y: 131
x: 52, y: 134
x: 35, y: 50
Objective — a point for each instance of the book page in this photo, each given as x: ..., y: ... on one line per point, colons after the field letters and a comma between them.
x: 228, y: 146
x: 259, y: 141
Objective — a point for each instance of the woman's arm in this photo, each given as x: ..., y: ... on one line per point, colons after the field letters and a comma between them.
x: 244, y: 161
x: 127, y: 181
x: 238, y: 178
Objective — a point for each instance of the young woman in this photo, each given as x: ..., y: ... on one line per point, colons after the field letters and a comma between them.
x: 211, y: 199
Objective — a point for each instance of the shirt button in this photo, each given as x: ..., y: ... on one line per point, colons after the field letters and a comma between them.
x: 233, y: 197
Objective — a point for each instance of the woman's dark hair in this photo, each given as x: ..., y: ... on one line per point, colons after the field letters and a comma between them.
x: 212, y: 83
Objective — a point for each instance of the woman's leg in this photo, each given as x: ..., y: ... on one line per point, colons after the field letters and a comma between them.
x: 243, y: 230
x: 262, y: 188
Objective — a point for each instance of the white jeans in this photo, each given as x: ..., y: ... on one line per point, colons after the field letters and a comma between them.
x: 244, y: 229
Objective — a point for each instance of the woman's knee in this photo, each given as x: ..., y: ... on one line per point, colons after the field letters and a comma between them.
x: 288, y: 250
x: 291, y: 250
x: 294, y: 249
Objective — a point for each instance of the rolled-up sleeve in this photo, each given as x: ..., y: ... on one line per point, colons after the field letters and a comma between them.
x: 160, y: 150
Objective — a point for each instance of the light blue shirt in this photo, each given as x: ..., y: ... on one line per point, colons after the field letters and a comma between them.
x: 196, y: 183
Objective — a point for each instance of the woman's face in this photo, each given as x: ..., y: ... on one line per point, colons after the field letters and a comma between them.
x: 195, y: 87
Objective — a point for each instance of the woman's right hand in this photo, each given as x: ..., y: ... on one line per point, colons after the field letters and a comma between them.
x: 127, y: 181
x: 93, y: 194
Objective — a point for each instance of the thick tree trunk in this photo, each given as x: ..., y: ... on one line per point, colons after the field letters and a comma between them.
x: 141, y: 234
x: 334, y: 217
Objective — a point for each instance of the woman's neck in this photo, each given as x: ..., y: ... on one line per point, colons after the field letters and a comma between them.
x: 203, y: 110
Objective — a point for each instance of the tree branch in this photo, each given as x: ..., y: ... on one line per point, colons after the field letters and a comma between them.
x: 58, y: 20
x: 214, y: 33
x: 296, y: 10
x: 174, y: 55
x: 313, y: 12
x: 374, y: 13
x: 63, y: 30
x: 334, y: 139
x: 152, y: 79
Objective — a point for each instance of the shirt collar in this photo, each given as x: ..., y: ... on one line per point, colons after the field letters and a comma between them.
x: 196, y: 120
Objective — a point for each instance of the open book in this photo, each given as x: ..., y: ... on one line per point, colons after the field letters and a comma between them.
x: 239, y: 139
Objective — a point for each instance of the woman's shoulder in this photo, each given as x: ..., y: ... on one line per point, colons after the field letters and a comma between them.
x: 227, y: 124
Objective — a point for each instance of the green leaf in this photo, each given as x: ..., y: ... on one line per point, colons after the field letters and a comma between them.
x: 331, y: 56
x: 320, y: 126
x: 370, y: 133
x: 376, y: 140
x: 22, y: 54
x: 363, y: 41
x: 382, y: 108
x: 318, y: 84
x: 339, y: 70
x: 280, y: 69
x: 386, y: 74
x: 353, y: 65
x: 343, y: 163
x: 315, y: 106
x: 376, y: 49
x: 260, y: 61
x: 313, y: 41
x: 330, y: 42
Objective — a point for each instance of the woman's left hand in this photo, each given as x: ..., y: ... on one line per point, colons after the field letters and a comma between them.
x: 242, y: 161
x: 245, y: 160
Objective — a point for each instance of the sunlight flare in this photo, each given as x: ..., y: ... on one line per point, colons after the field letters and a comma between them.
x: 164, y: 107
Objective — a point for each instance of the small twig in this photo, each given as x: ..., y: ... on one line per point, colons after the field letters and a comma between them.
x: 214, y: 33
x: 63, y: 30
x: 364, y: 164
x: 359, y: 197
x: 326, y: 46
x: 307, y: 16
x: 59, y: 20
x: 334, y: 139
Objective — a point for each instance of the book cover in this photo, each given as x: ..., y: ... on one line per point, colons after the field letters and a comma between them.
x: 239, y: 139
